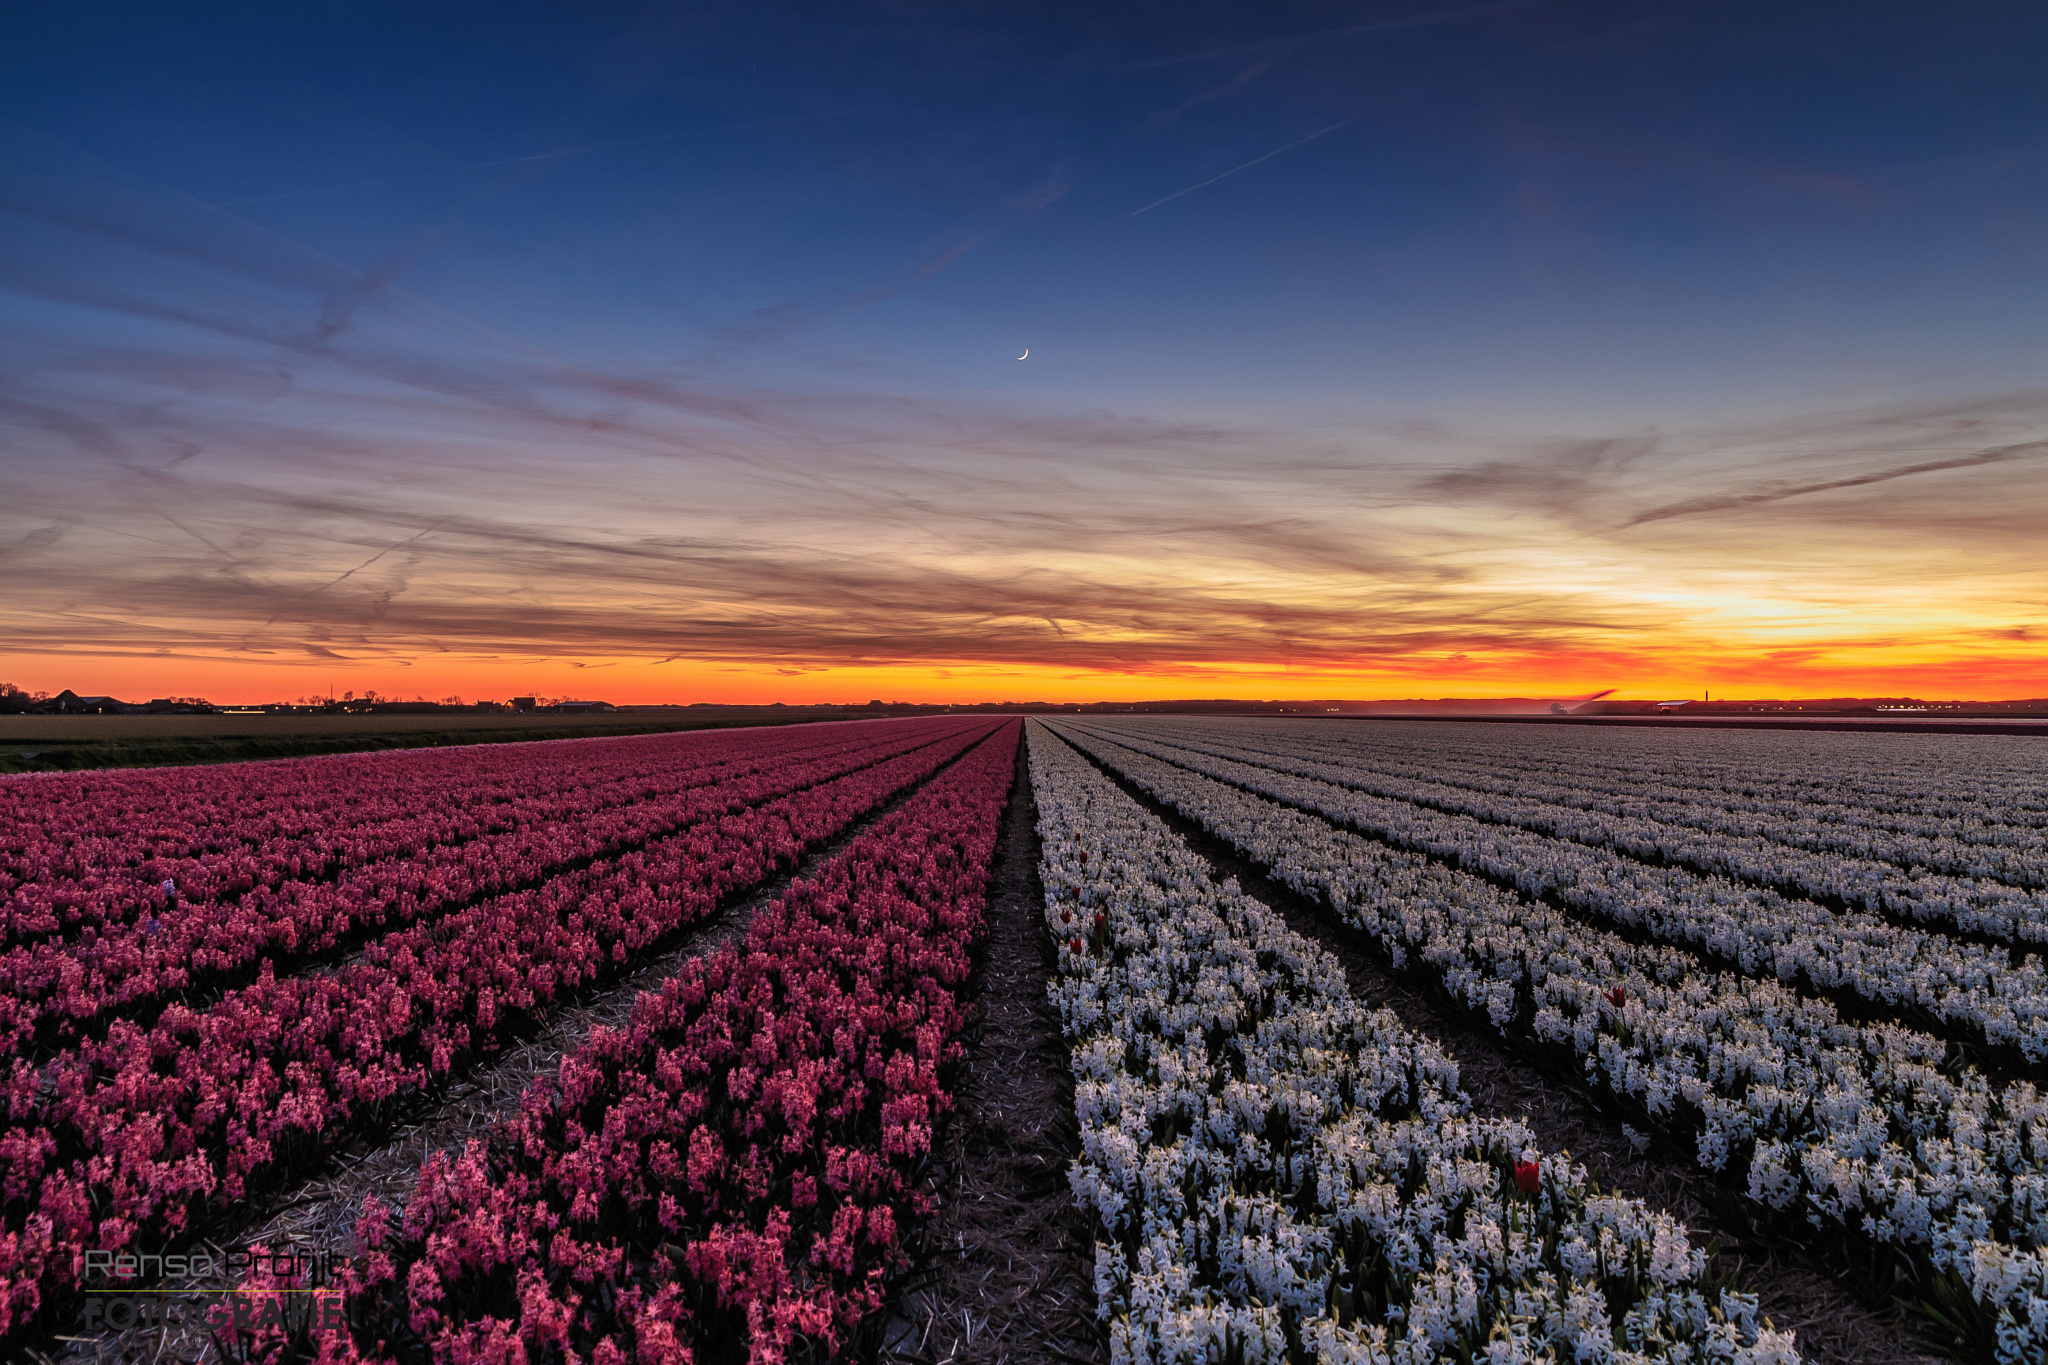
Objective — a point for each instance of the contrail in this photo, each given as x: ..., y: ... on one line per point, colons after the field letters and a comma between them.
x: 1443, y: 16
x: 1247, y: 166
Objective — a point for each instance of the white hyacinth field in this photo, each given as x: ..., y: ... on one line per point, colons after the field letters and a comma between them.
x: 1806, y: 964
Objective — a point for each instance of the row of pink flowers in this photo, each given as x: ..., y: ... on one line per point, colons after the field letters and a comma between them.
x: 87, y: 850
x: 132, y: 1135
x: 56, y: 990
x: 739, y: 1163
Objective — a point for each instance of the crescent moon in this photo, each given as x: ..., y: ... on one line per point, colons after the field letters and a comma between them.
x: 1026, y: 355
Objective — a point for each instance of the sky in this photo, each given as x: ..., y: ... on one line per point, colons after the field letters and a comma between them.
x: 665, y: 352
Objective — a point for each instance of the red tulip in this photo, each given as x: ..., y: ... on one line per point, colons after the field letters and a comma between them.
x: 1617, y: 997
x: 1528, y: 1177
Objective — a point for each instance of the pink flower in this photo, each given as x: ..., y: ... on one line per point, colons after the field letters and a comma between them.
x: 841, y: 1005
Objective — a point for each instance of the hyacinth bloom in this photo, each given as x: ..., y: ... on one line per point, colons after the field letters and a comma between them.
x: 760, y: 1122
x: 1320, y: 1157
x: 177, y: 1112
x: 74, y: 947
x: 1735, y: 1050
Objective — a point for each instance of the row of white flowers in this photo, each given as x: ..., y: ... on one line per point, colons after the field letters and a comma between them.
x: 1855, y: 1129
x: 1991, y: 892
x: 1974, y: 992
x: 1976, y: 790
x: 1988, y: 832
x: 1280, y: 1173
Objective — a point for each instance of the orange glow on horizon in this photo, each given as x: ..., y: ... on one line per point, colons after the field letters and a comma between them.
x: 1835, y: 670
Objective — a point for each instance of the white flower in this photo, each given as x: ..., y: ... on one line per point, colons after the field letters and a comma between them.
x: 1226, y: 1081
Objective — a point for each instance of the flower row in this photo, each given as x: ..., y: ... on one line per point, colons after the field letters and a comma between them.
x: 1275, y: 1168
x: 1856, y: 1130
x: 738, y: 1163
x: 1641, y: 826
x: 1965, y: 825
x: 80, y: 850
x: 1963, y: 839
x: 54, y: 991
x: 86, y: 853
x: 132, y: 1135
x: 1974, y: 790
x: 1966, y: 990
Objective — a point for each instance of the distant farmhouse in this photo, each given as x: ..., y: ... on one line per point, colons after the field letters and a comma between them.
x: 69, y: 703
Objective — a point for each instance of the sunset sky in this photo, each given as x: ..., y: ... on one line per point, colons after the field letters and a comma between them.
x: 664, y: 352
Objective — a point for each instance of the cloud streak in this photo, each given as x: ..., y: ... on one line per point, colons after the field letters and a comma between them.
x: 226, y: 447
x: 1725, y: 502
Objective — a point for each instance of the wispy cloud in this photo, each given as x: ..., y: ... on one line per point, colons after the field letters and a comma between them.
x: 225, y: 446
x: 1724, y: 502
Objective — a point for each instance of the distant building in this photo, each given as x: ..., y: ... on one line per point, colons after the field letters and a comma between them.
x: 580, y: 707
x: 522, y: 704
x: 1673, y: 705
x: 69, y: 703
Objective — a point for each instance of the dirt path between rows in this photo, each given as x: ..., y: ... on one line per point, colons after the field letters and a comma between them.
x: 1833, y: 1326
x: 1005, y: 1268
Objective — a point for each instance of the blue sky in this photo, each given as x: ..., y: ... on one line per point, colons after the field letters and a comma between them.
x: 753, y: 276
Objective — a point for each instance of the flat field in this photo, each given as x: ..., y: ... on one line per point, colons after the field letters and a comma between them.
x: 1146, y: 1039
x: 65, y: 743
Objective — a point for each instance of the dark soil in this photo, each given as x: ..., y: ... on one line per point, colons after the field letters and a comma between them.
x: 1004, y: 1270
x: 1833, y: 1325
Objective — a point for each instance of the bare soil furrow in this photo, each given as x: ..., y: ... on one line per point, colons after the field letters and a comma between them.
x: 1004, y: 1270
